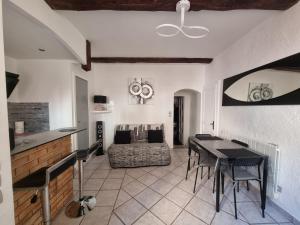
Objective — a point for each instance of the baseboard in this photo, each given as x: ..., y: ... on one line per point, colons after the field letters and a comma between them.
x: 285, y: 213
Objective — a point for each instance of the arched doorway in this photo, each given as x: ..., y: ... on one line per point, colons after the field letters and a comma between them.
x: 187, y: 114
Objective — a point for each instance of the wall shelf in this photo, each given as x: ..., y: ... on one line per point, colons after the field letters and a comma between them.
x: 105, y: 111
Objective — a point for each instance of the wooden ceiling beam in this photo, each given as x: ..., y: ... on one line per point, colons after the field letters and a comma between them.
x: 169, y: 5
x: 88, y: 66
x: 149, y: 60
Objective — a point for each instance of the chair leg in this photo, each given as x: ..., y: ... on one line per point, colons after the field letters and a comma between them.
x: 222, y: 179
x: 196, y: 179
x: 201, y: 172
x: 234, y: 199
x: 188, y: 167
x: 214, y: 184
x: 248, y: 186
x: 197, y: 173
x: 208, y: 173
x: 238, y: 186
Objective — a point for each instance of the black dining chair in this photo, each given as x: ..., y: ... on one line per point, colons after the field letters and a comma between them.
x: 238, y: 170
x: 205, y: 159
x: 240, y: 143
x: 246, y: 146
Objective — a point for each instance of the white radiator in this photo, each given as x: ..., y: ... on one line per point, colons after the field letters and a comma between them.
x: 271, y: 150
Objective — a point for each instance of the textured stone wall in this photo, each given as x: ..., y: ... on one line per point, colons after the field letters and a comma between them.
x: 34, y: 115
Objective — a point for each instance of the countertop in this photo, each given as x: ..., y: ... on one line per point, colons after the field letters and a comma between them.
x: 24, y: 143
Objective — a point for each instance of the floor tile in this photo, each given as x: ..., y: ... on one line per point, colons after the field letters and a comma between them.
x: 114, y: 220
x: 85, y: 193
x: 206, y: 195
x: 186, y: 218
x: 149, y: 168
x: 130, y: 211
x: 136, y: 172
x: 180, y: 197
x: 148, y: 198
x: 116, y: 173
x: 180, y: 171
x: 98, y: 216
x: 161, y: 187
x: 201, y: 209
x: 160, y: 172
x: 111, y: 184
x: 223, y: 218
x: 100, y: 174
x: 166, y: 210
x: 107, y: 197
x: 122, y: 198
x: 276, y: 214
x: 61, y: 218
x: 147, y: 179
x: 134, y: 188
x: 93, y: 184
x: 127, y: 179
x: 252, y: 213
x: 91, y: 166
x: 172, y: 178
x: 148, y: 219
x: 187, y: 185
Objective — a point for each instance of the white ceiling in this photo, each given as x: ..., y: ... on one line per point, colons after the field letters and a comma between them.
x: 132, y: 34
x: 23, y: 37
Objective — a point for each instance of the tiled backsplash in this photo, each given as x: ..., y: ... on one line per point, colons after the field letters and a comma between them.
x: 34, y: 115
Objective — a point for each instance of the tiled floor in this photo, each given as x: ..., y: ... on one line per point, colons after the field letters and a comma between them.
x: 160, y: 196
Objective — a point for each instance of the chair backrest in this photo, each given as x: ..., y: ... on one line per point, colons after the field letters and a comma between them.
x: 196, y: 148
x: 245, y: 162
x: 240, y: 143
x: 202, y: 135
x: 60, y: 167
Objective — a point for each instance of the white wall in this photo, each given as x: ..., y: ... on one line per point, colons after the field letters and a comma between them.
x: 51, y: 81
x: 191, y: 114
x: 46, y: 81
x: 6, y: 207
x: 274, y: 39
x: 112, y: 80
x: 64, y: 30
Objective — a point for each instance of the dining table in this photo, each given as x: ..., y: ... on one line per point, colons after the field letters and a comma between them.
x: 216, y: 146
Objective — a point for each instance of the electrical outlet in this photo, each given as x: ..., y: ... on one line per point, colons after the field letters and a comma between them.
x: 279, y: 189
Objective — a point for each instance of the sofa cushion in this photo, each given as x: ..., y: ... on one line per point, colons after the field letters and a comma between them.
x: 155, y: 136
x: 123, y: 137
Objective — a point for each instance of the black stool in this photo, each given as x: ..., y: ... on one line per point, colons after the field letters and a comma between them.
x: 40, y: 180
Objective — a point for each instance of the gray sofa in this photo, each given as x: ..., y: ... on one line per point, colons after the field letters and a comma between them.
x: 139, y: 152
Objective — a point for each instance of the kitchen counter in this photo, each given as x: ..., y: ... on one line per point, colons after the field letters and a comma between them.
x: 24, y: 143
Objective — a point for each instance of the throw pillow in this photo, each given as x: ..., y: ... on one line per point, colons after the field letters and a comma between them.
x: 123, y: 137
x: 155, y: 136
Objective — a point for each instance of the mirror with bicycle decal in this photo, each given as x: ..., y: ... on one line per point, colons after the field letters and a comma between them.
x: 277, y: 83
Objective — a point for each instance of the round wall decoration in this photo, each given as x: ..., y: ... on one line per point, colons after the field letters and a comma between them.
x: 141, y: 91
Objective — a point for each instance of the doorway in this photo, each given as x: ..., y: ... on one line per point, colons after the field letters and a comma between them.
x: 82, y: 113
x: 178, y: 120
x: 187, y: 114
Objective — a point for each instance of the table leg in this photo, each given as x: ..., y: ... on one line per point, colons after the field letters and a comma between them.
x: 218, y: 187
x: 265, y: 182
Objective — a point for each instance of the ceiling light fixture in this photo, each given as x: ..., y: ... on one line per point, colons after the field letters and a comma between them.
x: 182, y: 6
